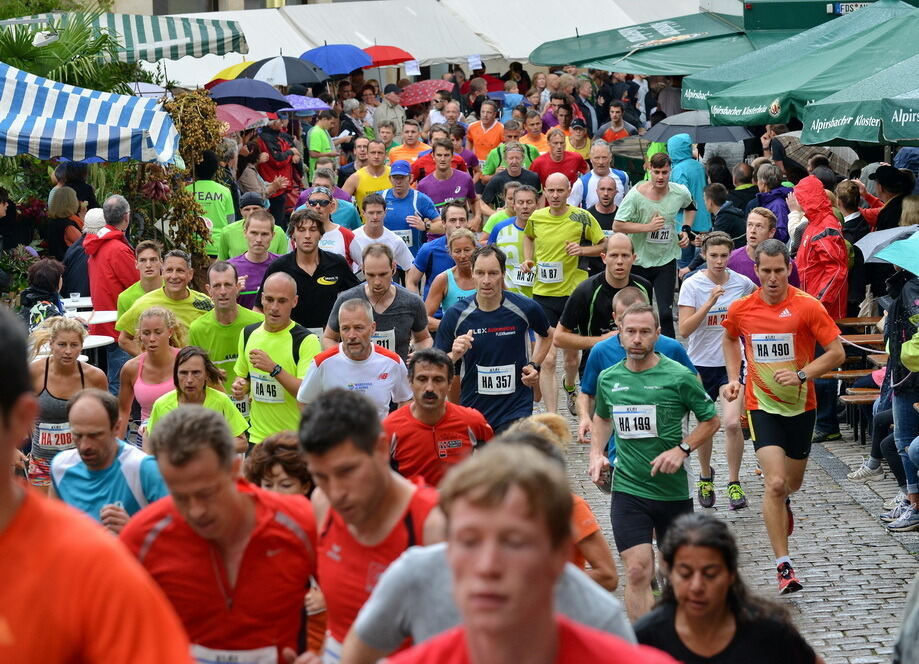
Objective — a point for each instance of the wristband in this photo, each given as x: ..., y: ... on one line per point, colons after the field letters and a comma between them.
x: 534, y: 365
x: 276, y: 370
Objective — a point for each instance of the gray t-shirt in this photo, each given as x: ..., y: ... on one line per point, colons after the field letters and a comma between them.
x: 414, y: 597
x: 405, y: 315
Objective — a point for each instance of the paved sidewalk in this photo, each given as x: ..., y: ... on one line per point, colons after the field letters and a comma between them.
x: 856, y: 575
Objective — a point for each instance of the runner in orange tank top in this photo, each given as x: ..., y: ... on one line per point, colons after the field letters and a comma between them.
x: 368, y: 513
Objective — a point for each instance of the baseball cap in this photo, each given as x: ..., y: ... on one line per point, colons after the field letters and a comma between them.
x: 251, y: 198
x: 400, y: 167
x: 888, y: 177
x: 578, y: 123
x: 392, y: 87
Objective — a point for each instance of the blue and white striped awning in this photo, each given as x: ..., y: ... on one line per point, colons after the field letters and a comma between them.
x: 48, y: 120
x: 154, y: 38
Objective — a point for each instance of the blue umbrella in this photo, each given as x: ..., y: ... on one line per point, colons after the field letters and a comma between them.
x: 338, y: 59
x: 902, y: 253
x: 248, y: 92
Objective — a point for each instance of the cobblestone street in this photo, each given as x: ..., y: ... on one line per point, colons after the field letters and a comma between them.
x: 856, y: 575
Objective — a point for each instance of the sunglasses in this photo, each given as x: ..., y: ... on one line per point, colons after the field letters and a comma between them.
x: 315, y: 202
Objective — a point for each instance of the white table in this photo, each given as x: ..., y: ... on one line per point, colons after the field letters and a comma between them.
x: 97, y: 341
x: 79, y: 303
x: 94, y: 317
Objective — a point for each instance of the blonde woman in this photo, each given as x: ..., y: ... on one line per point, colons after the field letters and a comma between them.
x: 149, y: 376
x: 450, y: 286
x: 64, y: 225
x: 56, y: 378
x: 910, y: 213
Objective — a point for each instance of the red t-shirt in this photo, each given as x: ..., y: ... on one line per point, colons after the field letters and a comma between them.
x: 428, y: 452
x: 577, y: 644
x: 779, y: 336
x: 265, y: 606
x: 69, y: 592
x: 572, y: 165
x: 349, y: 571
x: 425, y: 165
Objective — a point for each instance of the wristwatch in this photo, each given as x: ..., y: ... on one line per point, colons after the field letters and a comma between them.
x: 801, y: 376
x: 534, y: 365
x: 276, y: 370
x: 427, y: 225
x: 687, y: 450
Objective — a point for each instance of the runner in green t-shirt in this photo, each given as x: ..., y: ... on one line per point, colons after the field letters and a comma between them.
x: 508, y: 236
x: 148, y: 255
x: 645, y: 398
x: 272, y: 361
x: 319, y: 142
x: 219, y: 329
x: 556, y: 237
x: 495, y: 159
x: 503, y: 213
x: 233, y: 239
x: 175, y: 295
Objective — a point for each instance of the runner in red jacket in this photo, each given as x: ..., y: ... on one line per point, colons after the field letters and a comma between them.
x: 823, y: 259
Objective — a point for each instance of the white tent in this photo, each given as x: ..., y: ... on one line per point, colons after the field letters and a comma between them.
x: 267, y: 32
x: 515, y: 28
x: 424, y: 28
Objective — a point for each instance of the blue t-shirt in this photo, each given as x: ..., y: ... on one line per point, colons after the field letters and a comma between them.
x: 133, y: 481
x: 432, y: 259
x: 397, y: 209
x: 346, y: 215
x: 610, y: 352
x: 490, y: 370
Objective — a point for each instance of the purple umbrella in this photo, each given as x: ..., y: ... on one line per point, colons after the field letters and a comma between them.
x: 301, y: 103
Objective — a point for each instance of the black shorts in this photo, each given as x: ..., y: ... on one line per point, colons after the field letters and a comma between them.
x: 792, y: 433
x: 712, y: 380
x: 635, y: 519
x: 553, y: 305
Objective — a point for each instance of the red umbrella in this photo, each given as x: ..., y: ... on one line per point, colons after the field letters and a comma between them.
x: 384, y: 56
x: 423, y: 91
x: 239, y: 117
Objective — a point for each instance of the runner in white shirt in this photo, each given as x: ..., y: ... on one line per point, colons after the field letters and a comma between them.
x: 358, y: 364
x: 601, y: 157
x: 704, y: 300
x: 373, y: 231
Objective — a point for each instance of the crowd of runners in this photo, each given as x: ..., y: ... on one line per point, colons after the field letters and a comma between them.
x: 330, y: 452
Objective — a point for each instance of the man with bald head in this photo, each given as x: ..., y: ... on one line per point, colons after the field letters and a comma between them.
x: 557, y: 241
x: 273, y: 358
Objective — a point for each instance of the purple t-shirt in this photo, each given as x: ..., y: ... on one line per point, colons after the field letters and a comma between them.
x: 469, y: 157
x: 459, y: 185
x: 743, y: 264
x: 254, y: 273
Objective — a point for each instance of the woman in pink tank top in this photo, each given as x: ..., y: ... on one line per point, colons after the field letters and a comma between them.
x: 148, y: 376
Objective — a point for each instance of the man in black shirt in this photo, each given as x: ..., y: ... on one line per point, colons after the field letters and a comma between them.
x: 515, y: 172
x: 604, y: 211
x: 588, y: 315
x: 320, y: 275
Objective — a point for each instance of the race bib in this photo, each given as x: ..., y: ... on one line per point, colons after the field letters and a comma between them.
x: 385, y: 338
x: 266, y: 389
x: 609, y: 232
x: 497, y: 380
x: 635, y: 421
x: 242, y: 405
x: 773, y: 347
x: 663, y: 236
x: 521, y: 278
x: 551, y: 273
x: 405, y: 236
x: 266, y: 655
x: 54, y: 435
x: 716, y: 316
x: 316, y: 330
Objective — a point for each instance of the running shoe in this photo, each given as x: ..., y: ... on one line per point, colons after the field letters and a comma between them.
x: 895, y: 512
x: 571, y: 393
x: 707, y: 490
x: 863, y: 473
x: 909, y: 520
x: 820, y: 437
x: 736, y: 495
x: 788, y: 582
x: 890, y: 503
x: 791, y: 516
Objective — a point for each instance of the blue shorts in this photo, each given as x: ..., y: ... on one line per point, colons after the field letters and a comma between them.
x: 712, y: 380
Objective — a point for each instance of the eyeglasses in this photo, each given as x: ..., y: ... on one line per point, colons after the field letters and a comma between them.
x: 316, y: 202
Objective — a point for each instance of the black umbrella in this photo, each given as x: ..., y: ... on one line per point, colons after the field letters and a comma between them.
x: 284, y: 70
x: 698, y: 125
x: 257, y: 95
